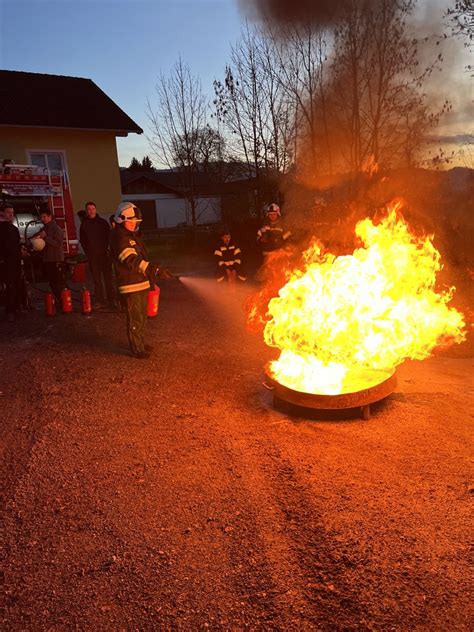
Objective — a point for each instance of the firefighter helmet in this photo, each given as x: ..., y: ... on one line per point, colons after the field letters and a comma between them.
x: 38, y: 244
x: 273, y: 208
x: 126, y: 211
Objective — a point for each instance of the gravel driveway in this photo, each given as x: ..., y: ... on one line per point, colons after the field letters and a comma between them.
x: 169, y: 494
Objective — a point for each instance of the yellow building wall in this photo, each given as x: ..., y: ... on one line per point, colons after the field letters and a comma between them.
x: 91, y: 160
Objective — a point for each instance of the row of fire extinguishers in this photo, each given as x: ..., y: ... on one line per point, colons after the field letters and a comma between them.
x: 86, y: 306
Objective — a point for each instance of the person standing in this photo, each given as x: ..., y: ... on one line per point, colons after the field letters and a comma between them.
x: 10, y: 260
x: 53, y: 253
x: 135, y: 274
x: 94, y: 236
x: 273, y: 235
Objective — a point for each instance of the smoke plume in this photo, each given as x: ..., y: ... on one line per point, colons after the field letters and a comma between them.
x: 294, y: 12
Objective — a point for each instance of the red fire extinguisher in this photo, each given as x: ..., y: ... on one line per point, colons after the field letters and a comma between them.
x: 66, y: 301
x: 86, y: 301
x: 153, y: 300
x: 49, y: 305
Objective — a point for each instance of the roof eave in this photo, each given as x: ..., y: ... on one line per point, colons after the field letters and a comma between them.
x: 116, y: 132
x: 138, y: 177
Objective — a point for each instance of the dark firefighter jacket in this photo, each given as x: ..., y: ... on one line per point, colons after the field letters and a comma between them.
x: 228, y: 257
x: 130, y: 260
x: 272, y: 236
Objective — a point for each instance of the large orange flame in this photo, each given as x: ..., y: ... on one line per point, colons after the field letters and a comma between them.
x: 343, y: 323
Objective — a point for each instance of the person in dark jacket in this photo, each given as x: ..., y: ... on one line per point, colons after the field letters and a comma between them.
x: 228, y: 258
x: 273, y: 235
x: 94, y: 236
x: 10, y: 260
x: 135, y: 274
x: 53, y: 253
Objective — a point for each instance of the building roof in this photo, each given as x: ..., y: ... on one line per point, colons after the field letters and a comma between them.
x: 146, y: 182
x: 30, y: 99
x: 227, y: 181
x: 173, y: 180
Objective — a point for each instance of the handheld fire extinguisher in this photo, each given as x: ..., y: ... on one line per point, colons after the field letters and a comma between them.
x: 86, y: 301
x: 152, y: 302
x: 49, y: 305
x: 66, y: 301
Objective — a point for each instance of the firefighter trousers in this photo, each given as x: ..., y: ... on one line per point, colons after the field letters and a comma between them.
x: 136, y: 306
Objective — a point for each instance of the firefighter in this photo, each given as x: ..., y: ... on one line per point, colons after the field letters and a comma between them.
x: 273, y: 235
x: 135, y: 274
x: 228, y: 257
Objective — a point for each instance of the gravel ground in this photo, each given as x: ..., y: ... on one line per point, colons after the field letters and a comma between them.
x: 169, y: 494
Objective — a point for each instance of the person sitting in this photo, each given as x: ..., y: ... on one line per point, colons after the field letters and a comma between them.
x: 228, y: 257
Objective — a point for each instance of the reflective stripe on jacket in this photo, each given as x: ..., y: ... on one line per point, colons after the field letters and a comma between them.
x: 130, y: 260
x: 273, y: 236
x: 228, y: 257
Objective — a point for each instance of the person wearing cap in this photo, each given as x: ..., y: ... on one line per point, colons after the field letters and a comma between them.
x: 135, y: 274
x: 228, y: 257
x: 94, y: 236
x: 272, y: 235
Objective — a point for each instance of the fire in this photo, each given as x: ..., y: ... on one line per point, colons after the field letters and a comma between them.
x: 343, y: 323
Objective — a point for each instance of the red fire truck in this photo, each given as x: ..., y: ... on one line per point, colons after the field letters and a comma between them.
x: 30, y: 189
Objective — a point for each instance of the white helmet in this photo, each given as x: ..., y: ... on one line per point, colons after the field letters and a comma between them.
x: 273, y: 208
x: 38, y: 244
x: 127, y: 211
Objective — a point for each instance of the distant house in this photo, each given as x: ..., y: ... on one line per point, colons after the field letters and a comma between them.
x: 65, y: 124
x: 162, y: 198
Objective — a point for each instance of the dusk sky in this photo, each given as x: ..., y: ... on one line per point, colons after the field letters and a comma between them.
x: 123, y: 45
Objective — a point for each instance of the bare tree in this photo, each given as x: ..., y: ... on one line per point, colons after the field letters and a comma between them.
x: 278, y: 124
x: 301, y: 55
x: 461, y: 20
x: 238, y: 102
x: 179, y: 128
x: 461, y: 17
x: 380, y: 110
x: 255, y: 110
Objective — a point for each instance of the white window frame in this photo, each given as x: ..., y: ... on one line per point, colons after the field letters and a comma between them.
x: 52, y: 151
x: 49, y: 151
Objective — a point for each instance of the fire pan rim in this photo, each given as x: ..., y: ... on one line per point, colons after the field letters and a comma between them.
x: 339, y: 401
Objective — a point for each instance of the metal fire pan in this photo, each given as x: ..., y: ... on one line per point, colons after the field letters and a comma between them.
x: 332, y: 402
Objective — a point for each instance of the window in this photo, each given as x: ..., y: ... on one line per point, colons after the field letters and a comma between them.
x: 53, y: 161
